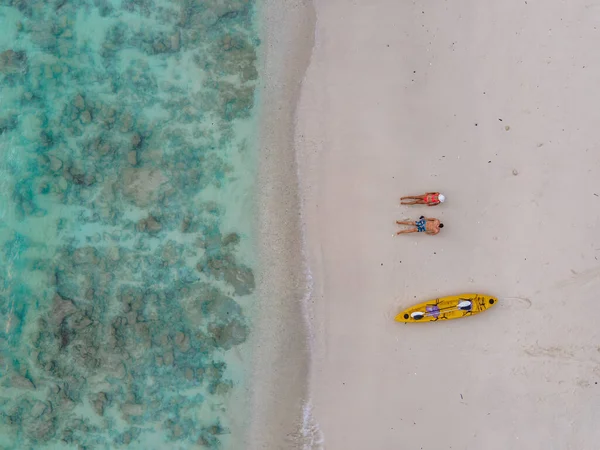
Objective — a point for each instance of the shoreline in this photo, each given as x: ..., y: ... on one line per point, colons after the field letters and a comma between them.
x: 281, y: 355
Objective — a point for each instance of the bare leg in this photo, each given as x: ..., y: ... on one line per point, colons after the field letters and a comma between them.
x: 412, y: 197
x: 406, y: 222
x: 412, y: 230
x: 411, y: 202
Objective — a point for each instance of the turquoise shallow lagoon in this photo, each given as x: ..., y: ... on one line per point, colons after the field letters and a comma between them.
x: 127, y: 165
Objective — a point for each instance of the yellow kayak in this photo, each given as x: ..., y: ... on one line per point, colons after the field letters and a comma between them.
x: 444, y: 308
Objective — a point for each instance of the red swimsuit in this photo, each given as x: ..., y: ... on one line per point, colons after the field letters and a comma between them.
x: 432, y: 198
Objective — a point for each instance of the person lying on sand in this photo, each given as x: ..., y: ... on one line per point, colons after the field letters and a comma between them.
x: 427, y: 225
x: 429, y: 199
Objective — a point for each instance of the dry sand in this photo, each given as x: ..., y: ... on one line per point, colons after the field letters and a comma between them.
x: 402, y: 97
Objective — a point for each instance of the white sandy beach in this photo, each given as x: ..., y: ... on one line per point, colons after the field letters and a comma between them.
x: 405, y: 97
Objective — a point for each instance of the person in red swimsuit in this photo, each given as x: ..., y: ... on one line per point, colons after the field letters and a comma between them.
x: 429, y: 199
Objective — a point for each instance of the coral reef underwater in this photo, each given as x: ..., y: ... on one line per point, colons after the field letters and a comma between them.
x: 126, y: 149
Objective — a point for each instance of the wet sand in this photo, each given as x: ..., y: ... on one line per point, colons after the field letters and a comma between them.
x: 495, y: 105
x: 281, y: 351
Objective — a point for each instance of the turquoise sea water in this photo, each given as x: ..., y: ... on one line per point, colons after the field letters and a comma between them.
x: 127, y: 161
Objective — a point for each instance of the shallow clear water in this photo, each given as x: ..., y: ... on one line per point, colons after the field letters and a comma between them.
x: 127, y: 161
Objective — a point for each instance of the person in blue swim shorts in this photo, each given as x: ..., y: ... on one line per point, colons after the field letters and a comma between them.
x: 427, y: 225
